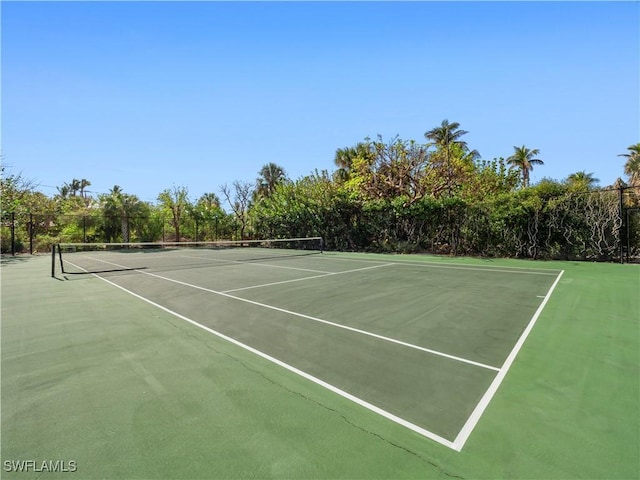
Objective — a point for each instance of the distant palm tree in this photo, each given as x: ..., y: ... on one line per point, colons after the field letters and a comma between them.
x: 63, y: 191
x: 582, y: 180
x: 344, y: 158
x: 270, y: 176
x: 118, y: 204
x: 209, y: 200
x: 632, y: 166
x: 524, y: 159
x: 82, y: 186
x: 447, y: 135
x: 446, y: 138
x: 74, y: 187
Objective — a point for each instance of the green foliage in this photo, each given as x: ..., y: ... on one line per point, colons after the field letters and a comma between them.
x: 386, y: 196
x: 175, y: 203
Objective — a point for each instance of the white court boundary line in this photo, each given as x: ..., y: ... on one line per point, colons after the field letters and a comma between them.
x: 468, y: 427
x: 363, y: 403
x: 461, y: 266
x: 474, y: 418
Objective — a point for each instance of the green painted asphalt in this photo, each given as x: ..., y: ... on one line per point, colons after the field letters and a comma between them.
x: 125, y: 390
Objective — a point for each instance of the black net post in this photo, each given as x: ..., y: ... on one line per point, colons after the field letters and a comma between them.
x: 53, y: 260
x: 60, y: 257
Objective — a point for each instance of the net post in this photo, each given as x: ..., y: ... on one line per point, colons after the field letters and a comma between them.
x: 53, y: 260
x: 321, y: 245
x: 60, y: 256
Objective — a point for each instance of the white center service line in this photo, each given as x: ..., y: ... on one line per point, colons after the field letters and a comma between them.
x: 328, y: 274
x: 260, y: 264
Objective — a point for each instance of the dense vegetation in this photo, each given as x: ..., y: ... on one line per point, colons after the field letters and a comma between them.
x: 391, y: 196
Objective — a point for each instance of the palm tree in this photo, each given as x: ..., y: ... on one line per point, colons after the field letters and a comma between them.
x: 446, y: 138
x: 210, y: 201
x: 270, y: 176
x: 582, y: 180
x: 119, y: 204
x: 82, y: 185
x: 632, y: 165
x: 74, y: 187
x: 447, y: 135
x: 63, y: 191
x: 524, y: 159
x: 345, y: 157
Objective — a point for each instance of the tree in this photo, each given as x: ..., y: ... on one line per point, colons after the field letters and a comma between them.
x: 208, y: 211
x: 74, y: 187
x: 632, y: 165
x: 399, y: 169
x: 82, y: 186
x: 581, y: 181
x: 176, y: 202
x: 345, y: 158
x: 121, y: 206
x: 524, y: 159
x: 449, y: 148
x: 13, y: 190
x: 271, y: 175
x: 63, y: 192
x: 239, y: 201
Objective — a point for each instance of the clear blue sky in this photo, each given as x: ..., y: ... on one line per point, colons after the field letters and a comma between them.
x: 148, y: 95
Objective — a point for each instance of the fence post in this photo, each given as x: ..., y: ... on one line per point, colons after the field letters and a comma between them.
x: 31, y: 233
x: 628, y: 237
x: 621, y: 230
x: 13, y: 233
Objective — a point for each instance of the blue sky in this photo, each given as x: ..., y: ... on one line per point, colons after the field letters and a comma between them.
x: 148, y: 95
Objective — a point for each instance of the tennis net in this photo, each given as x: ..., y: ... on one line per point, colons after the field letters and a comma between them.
x: 87, y: 258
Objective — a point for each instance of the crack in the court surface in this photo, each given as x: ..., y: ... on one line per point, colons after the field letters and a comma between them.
x: 333, y: 410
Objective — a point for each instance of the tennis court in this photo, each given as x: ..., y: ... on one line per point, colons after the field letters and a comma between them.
x: 262, y: 363
x: 423, y: 345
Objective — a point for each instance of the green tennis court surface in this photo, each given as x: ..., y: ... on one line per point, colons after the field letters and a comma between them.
x: 320, y: 365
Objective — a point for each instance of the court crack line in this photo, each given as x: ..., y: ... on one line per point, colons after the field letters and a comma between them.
x: 336, y: 412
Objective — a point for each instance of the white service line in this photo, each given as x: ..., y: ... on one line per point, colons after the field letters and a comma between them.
x: 328, y: 274
x: 260, y: 264
x: 473, y: 419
